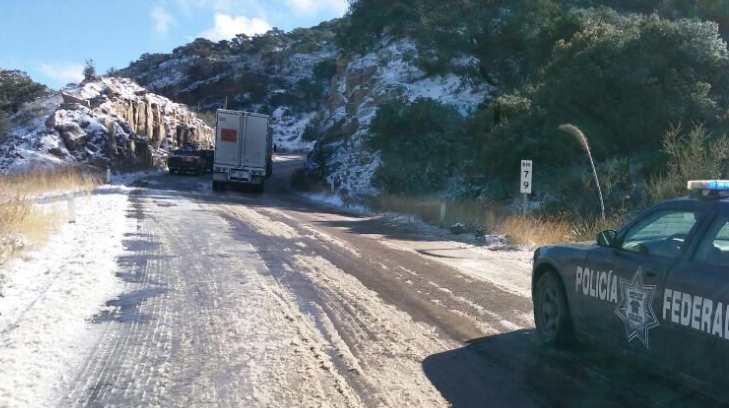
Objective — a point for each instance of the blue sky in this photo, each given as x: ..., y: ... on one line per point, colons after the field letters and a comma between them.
x: 51, y: 39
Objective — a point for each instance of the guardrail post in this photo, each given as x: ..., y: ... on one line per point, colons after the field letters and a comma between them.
x: 71, y: 209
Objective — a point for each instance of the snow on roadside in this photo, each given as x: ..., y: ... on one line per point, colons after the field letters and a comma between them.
x: 506, y: 267
x: 50, y: 295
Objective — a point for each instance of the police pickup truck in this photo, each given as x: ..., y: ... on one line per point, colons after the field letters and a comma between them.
x: 657, y: 289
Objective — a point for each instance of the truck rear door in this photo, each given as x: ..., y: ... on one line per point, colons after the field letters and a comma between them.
x: 255, y: 148
x: 229, y: 135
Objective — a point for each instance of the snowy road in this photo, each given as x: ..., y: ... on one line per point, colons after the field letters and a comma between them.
x: 270, y: 300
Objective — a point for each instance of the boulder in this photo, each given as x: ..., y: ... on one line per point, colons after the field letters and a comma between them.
x: 69, y: 99
x: 73, y: 136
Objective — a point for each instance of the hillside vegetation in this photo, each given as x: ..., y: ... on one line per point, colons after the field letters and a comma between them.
x: 425, y: 98
x: 625, y: 72
x: 16, y: 88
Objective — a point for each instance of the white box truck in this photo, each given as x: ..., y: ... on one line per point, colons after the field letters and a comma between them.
x: 243, y: 149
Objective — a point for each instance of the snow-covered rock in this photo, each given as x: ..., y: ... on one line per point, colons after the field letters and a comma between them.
x: 106, y: 122
x: 361, y: 85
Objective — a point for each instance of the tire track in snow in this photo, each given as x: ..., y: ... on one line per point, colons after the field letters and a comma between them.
x: 220, y: 331
x: 377, y: 347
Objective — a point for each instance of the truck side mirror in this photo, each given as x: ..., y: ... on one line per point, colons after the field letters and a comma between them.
x: 607, y: 238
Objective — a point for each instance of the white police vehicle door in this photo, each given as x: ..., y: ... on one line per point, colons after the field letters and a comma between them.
x: 629, y: 278
x: 695, y: 304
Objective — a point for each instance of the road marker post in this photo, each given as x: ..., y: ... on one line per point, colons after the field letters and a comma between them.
x: 526, y: 183
x: 72, y: 209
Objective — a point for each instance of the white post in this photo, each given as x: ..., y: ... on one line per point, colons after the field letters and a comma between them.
x: 525, y: 205
x: 72, y: 209
x: 442, y: 211
x: 108, y: 175
x: 526, y: 183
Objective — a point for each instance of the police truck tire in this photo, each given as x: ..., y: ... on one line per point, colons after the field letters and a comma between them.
x: 217, y: 186
x: 551, y: 314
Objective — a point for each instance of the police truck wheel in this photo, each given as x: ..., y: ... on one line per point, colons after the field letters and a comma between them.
x: 551, y: 315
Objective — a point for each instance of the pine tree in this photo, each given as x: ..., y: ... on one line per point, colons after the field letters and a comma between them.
x: 90, y: 70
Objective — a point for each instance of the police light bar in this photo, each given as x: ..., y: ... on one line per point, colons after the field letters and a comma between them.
x: 708, y: 185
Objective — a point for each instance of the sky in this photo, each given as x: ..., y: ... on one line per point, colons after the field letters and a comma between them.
x: 51, y: 39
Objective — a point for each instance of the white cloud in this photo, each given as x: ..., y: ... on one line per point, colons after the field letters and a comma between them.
x: 227, y: 26
x: 63, y: 73
x: 315, y: 6
x: 162, y: 19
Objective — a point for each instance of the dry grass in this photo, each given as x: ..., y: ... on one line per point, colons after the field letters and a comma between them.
x: 40, y: 181
x: 533, y: 231
x: 472, y: 213
x: 496, y: 219
x: 21, y: 218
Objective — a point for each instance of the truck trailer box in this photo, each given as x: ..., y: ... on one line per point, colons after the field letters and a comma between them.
x: 243, y: 149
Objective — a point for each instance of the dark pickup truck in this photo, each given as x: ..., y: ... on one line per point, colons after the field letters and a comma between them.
x: 190, y: 161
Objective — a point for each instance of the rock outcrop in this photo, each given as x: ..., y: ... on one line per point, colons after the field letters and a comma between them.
x: 109, y: 122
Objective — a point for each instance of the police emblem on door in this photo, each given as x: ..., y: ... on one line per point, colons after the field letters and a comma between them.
x: 635, y: 308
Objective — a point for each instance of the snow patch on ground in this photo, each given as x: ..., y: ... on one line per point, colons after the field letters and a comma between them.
x: 50, y: 295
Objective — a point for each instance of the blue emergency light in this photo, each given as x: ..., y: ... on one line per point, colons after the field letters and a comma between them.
x: 710, y: 185
x: 709, y: 188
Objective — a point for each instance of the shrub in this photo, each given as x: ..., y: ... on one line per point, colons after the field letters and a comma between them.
x: 16, y: 88
x: 90, y: 70
x: 622, y: 80
x: 3, y: 125
x: 311, y: 133
x: 421, y: 144
x: 533, y: 231
x: 695, y: 154
x: 325, y: 70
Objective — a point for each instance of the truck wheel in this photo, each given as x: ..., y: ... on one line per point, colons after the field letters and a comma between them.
x: 551, y: 315
x: 217, y: 186
x: 258, y: 188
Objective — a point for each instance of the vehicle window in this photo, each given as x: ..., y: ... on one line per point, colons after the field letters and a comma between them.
x: 714, y: 248
x: 661, y: 234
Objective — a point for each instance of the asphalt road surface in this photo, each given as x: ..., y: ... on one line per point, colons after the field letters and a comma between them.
x: 237, y: 299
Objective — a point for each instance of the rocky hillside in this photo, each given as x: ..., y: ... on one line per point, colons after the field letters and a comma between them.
x: 104, y: 122
x: 321, y: 98
x: 425, y: 97
x: 285, y: 75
